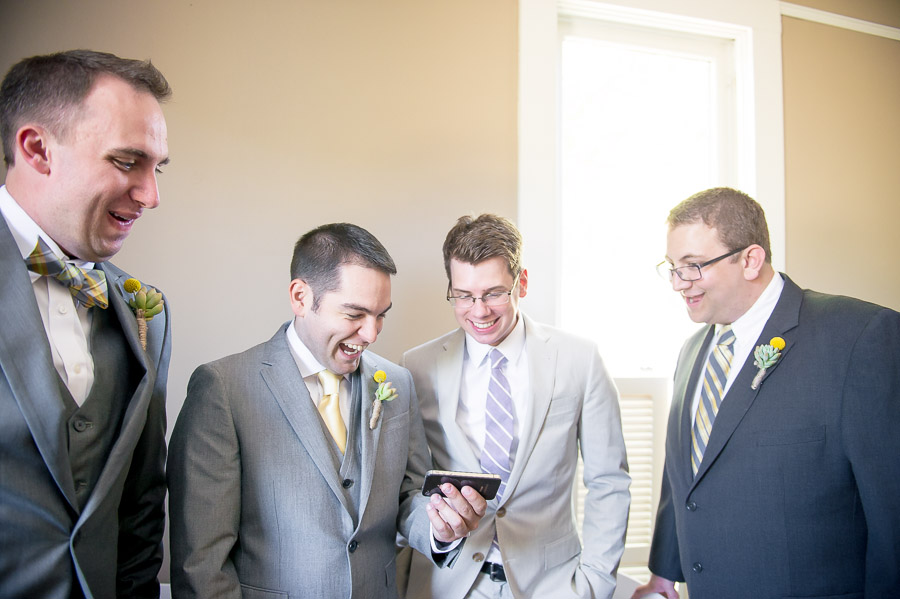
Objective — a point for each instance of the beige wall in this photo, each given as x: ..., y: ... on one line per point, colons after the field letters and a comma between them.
x: 398, y: 115
x: 842, y: 151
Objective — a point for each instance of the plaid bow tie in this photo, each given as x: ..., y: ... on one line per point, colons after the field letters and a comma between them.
x: 88, y: 287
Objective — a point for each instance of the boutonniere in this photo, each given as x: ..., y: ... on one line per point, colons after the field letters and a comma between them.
x: 146, y: 302
x: 384, y: 392
x: 764, y: 357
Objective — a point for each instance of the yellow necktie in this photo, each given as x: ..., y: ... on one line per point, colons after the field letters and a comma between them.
x: 330, y: 407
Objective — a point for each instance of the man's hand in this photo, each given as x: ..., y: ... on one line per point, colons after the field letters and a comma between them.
x: 657, y: 584
x: 457, y: 514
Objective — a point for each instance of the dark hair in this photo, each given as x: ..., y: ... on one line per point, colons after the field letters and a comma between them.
x: 320, y: 254
x: 48, y: 89
x: 737, y: 218
x: 475, y: 239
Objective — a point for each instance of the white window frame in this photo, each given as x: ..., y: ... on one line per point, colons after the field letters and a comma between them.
x: 755, y: 27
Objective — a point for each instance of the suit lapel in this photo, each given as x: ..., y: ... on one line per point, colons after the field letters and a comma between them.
x: 740, y: 396
x: 27, y: 364
x: 281, y: 375
x: 686, y: 381
x: 449, y: 366
x: 371, y: 439
x: 542, y: 369
x: 135, y: 416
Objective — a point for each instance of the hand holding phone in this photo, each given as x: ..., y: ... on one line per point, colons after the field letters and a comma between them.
x: 487, y: 485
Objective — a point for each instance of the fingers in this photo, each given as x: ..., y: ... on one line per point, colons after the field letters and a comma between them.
x: 457, y: 514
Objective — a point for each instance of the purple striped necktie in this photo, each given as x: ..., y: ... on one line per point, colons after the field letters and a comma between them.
x: 498, y: 423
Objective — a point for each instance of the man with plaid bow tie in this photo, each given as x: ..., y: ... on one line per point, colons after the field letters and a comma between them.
x: 82, y: 403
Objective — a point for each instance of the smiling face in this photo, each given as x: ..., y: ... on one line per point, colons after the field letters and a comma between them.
x: 727, y: 288
x: 347, y: 320
x: 487, y: 324
x: 101, y: 174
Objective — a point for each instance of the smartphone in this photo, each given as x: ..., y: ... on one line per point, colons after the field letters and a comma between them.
x: 486, y: 484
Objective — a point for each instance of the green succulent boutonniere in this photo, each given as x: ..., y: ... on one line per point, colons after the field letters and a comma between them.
x: 764, y: 357
x: 146, y: 302
x: 384, y: 392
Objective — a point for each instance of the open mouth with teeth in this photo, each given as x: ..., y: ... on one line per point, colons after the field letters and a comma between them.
x: 483, y: 325
x: 351, y: 349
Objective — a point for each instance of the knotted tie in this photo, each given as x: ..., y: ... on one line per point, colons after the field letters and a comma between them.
x: 498, y: 423
x: 717, y: 369
x: 88, y: 287
x: 330, y: 407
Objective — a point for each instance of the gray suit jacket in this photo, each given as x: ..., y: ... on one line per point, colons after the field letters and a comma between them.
x: 574, y: 404
x: 50, y: 546
x: 258, y: 507
x: 798, y: 489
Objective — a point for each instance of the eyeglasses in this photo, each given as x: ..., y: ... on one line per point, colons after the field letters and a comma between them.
x: 691, y: 272
x: 497, y: 298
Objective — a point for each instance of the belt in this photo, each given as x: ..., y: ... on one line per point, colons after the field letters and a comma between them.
x: 495, y: 571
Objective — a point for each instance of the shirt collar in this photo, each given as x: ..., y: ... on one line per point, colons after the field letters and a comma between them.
x: 306, y: 362
x: 511, y: 347
x: 26, y: 232
x: 751, y: 322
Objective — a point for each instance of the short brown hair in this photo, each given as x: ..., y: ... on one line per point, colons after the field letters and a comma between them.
x: 48, y: 89
x: 737, y: 218
x: 320, y: 254
x: 476, y: 239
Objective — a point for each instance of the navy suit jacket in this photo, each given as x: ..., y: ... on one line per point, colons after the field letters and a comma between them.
x: 798, y: 491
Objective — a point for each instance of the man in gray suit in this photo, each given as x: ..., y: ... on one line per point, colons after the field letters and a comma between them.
x: 293, y: 465
x: 82, y: 403
x: 559, y: 400
x: 782, y: 456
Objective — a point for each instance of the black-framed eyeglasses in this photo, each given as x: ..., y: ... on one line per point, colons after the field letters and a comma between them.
x: 691, y: 272
x: 496, y: 298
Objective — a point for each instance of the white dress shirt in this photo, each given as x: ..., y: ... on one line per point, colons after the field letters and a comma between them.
x: 476, y: 377
x: 66, y: 323
x: 747, y: 330
x: 310, y: 369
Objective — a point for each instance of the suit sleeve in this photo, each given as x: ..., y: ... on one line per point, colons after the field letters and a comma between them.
x: 413, y: 522
x: 665, y: 559
x: 204, y: 486
x: 142, y: 509
x: 871, y: 421
x: 606, y: 479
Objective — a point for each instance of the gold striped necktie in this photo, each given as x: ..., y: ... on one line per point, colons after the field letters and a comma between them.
x: 717, y: 369
x: 330, y: 407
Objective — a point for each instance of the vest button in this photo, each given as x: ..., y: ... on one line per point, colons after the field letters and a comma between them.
x: 697, y: 567
x: 478, y: 557
x: 352, y: 546
x: 347, y: 483
x: 691, y: 506
x: 501, y: 512
x: 80, y: 425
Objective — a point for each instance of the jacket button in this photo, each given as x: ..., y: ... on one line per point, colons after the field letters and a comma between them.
x: 501, y: 512
x: 80, y: 425
x: 347, y: 483
x: 478, y: 557
x: 691, y: 506
x: 352, y: 546
x: 697, y: 567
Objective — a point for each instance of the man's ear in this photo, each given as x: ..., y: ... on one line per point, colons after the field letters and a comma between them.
x: 301, y: 297
x: 523, y: 283
x: 754, y: 258
x: 32, y: 148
